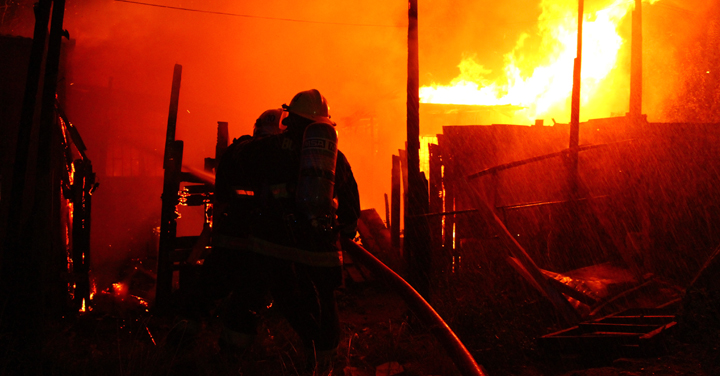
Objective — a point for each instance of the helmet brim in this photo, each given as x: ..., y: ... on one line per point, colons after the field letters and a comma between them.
x: 315, y: 118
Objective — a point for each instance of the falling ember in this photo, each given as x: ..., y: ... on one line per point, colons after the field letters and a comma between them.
x: 541, y: 84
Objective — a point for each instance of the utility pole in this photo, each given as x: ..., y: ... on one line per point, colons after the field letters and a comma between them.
x: 636, y: 70
x: 416, y: 229
x: 575, y: 107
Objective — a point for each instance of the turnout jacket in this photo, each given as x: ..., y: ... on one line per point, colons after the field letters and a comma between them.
x: 255, y: 184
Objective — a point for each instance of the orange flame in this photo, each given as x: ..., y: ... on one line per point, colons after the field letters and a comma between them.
x: 542, y: 85
x: 93, y: 289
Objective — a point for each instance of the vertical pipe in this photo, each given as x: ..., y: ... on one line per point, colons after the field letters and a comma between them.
x: 636, y: 70
x: 395, y: 202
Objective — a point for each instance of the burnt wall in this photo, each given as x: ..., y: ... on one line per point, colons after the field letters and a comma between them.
x: 648, y: 196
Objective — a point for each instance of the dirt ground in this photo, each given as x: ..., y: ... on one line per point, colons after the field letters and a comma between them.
x: 372, y: 307
x: 379, y: 337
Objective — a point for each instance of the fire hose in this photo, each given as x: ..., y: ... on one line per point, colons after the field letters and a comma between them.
x: 420, y: 307
x: 423, y: 310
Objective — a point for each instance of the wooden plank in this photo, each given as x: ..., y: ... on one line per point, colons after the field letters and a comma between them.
x: 435, y: 196
x: 395, y: 202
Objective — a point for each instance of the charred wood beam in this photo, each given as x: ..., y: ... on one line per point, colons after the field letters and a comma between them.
x: 83, y: 186
x: 172, y: 115
x: 168, y: 222
x: 547, y: 203
x: 172, y: 164
x: 525, y: 265
x: 435, y: 196
x: 516, y: 206
x: 74, y: 134
x: 450, y: 213
x: 448, y: 181
x: 387, y: 211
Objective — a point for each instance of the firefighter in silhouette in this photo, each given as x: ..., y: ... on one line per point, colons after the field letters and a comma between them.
x: 267, y: 124
x: 282, y: 201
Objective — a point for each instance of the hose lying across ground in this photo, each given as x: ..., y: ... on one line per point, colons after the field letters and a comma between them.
x: 422, y: 309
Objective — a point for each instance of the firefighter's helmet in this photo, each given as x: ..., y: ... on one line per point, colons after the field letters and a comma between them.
x: 268, y: 123
x: 310, y: 104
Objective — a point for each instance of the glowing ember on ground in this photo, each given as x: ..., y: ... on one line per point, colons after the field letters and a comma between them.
x: 119, y: 290
x: 542, y: 84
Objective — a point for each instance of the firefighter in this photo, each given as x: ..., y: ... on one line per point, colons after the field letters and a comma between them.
x: 268, y: 124
x: 282, y: 202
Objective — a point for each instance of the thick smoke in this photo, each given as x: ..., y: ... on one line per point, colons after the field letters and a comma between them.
x: 242, y: 58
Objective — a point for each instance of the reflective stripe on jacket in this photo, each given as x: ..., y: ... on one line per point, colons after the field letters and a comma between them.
x: 264, y: 247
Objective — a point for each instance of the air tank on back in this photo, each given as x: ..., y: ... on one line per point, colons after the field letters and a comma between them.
x: 314, y: 194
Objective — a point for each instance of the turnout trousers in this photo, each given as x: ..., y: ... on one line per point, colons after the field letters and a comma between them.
x: 303, y: 294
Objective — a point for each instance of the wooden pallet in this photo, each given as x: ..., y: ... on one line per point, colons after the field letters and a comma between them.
x: 636, y: 332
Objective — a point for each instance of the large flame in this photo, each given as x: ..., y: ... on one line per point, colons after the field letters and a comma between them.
x: 542, y: 85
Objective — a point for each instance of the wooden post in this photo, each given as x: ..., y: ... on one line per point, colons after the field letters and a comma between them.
x: 27, y: 257
x: 387, y: 212
x: 416, y: 226
x: 32, y: 82
x: 223, y: 138
x: 171, y: 184
x: 82, y: 205
x: 404, y: 175
x: 449, y: 204
x: 435, y: 196
x: 43, y: 218
x: 395, y: 202
x: 636, y: 63
x: 172, y: 115
x: 575, y: 109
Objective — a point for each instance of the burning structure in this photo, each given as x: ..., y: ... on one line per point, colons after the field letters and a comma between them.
x: 634, y: 195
